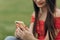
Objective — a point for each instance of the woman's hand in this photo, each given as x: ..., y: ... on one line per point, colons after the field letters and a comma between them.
x: 24, y: 33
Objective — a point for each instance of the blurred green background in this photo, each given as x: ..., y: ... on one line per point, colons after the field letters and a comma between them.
x: 12, y: 10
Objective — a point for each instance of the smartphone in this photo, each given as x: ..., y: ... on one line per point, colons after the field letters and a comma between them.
x: 20, y: 23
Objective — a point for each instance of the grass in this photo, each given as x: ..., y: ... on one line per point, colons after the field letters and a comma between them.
x: 12, y: 10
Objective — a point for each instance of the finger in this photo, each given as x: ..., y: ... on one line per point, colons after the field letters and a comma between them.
x: 22, y: 28
x: 16, y: 33
x: 26, y: 28
x: 20, y: 31
x: 17, y: 25
x: 20, y: 35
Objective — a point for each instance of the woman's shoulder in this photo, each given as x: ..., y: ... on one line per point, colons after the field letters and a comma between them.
x: 57, y: 12
x: 57, y: 16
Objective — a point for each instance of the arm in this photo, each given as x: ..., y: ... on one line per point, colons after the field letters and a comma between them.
x: 31, y: 30
x: 32, y: 22
x: 31, y: 27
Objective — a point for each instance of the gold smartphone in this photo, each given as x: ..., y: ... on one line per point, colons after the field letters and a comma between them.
x: 20, y: 24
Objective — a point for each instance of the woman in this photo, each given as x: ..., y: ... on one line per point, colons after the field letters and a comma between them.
x: 45, y: 22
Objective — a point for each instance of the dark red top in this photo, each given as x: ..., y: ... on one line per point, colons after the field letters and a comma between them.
x: 40, y: 29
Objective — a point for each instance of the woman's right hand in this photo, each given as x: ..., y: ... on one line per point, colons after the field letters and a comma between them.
x: 18, y: 24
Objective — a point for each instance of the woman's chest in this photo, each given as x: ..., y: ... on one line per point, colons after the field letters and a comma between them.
x: 41, y: 25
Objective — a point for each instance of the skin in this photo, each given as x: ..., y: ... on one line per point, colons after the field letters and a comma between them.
x: 26, y: 34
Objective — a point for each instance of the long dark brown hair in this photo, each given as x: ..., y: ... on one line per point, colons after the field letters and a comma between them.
x: 49, y: 23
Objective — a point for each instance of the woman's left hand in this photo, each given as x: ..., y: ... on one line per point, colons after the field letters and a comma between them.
x: 24, y: 34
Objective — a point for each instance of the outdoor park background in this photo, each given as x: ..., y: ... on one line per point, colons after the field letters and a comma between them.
x: 12, y: 10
